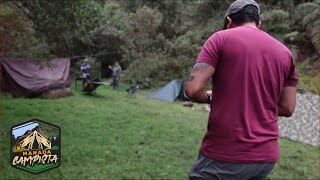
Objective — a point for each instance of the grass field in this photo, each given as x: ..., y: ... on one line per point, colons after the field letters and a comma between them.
x: 111, y: 136
x: 308, y: 78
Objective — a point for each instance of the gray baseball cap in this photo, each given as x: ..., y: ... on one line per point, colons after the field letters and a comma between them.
x: 239, y: 4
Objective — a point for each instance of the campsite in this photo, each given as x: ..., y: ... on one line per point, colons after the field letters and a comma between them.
x: 100, y: 89
x: 131, y: 135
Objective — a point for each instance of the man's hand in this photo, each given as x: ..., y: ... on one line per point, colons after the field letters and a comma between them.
x: 194, y: 87
x: 210, y: 95
x: 209, y: 92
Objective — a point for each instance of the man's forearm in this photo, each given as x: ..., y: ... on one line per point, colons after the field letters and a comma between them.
x: 283, y: 112
x: 195, y: 84
x: 287, y: 102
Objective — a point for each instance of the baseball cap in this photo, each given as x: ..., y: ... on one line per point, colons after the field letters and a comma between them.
x: 239, y: 4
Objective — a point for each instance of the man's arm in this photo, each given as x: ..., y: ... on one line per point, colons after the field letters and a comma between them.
x: 194, y: 87
x: 287, y: 103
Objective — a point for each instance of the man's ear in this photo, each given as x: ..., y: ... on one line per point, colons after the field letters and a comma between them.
x: 259, y: 25
x: 229, y: 22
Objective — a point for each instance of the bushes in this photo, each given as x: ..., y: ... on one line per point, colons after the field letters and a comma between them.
x: 275, y: 22
x: 159, y: 67
x: 309, y: 78
x: 155, y: 41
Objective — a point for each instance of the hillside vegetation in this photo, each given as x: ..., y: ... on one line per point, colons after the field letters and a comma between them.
x: 154, y: 40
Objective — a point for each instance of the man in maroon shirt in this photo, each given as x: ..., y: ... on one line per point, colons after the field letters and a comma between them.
x: 254, y: 81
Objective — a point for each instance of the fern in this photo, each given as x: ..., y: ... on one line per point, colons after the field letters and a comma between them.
x: 291, y: 37
x: 309, y: 18
x: 303, y: 10
x: 276, y: 21
x: 315, y: 33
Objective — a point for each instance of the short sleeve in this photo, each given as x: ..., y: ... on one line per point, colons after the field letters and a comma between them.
x: 292, y: 79
x: 209, y: 53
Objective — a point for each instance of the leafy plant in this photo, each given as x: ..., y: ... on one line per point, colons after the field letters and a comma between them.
x: 276, y: 21
x: 315, y: 31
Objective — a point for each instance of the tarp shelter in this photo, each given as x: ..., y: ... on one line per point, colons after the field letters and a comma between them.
x: 304, y: 124
x: 170, y: 92
x: 29, y: 78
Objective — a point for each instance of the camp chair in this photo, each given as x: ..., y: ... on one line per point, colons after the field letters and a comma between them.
x: 90, y: 85
x: 132, y: 90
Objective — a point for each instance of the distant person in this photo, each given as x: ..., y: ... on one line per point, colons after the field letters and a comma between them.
x: 254, y: 80
x: 85, y: 68
x: 116, y: 73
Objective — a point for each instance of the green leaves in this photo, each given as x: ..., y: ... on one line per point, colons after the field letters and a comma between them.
x: 142, y: 27
x: 297, y: 26
x: 308, y: 14
x: 304, y: 13
x: 315, y: 32
x: 157, y: 40
x: 275, y: 21
x: 291, y: 37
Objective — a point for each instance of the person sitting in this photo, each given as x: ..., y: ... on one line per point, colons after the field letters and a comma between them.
x: 85, y: 68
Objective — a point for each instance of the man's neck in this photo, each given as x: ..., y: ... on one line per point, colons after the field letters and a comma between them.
x: 250, y: 24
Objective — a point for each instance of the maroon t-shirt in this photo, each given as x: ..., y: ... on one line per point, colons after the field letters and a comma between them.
x: 251, y: 69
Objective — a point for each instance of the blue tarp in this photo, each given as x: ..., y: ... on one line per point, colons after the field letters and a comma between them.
x: 169, y: 92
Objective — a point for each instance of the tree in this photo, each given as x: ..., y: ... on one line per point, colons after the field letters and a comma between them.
x: 19, y: 36
x: 52, y: 21
x: 142, y: 28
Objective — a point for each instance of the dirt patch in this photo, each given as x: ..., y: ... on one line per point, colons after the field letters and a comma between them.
x: 57, y: 93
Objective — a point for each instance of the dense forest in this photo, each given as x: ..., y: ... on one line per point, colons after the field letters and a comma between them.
x: 154, y: 40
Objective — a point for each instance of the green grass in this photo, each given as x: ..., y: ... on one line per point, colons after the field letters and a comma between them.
x: 308, y: 77
x: 112, y: 136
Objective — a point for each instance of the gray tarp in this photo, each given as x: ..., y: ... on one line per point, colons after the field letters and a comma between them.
x: 29, y: 78
x: 304, y: 124
x: 169, y: 92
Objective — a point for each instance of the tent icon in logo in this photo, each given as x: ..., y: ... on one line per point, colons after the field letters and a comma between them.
x: 35, y: 136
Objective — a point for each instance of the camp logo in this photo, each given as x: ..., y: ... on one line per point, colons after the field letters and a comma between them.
x: 35, y: 146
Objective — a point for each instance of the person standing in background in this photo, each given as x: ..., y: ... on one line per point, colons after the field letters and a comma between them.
x: 85, y: 68
x: 116, y: 73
